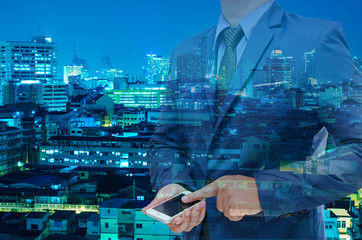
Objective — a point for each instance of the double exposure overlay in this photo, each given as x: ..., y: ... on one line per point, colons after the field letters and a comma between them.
x: 170, y: 120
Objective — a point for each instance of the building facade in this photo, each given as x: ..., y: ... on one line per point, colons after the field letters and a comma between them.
x: 106, y: 151
x: 10, y: 149
x: 35, y: 60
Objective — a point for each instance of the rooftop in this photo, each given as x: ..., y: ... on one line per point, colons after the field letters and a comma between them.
x: 36, y: 215
x: 94, y: 217
x: 115, y: 203
x: 339, y: 212
x: 105, y: 138
x: 62, y: 215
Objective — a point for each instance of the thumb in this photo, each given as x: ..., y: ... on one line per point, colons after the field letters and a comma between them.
x: 165, y: 193
x: 154, y: 202
x: 205, y: 192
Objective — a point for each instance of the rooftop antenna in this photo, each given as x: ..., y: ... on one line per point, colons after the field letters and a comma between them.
x: 74, y: 48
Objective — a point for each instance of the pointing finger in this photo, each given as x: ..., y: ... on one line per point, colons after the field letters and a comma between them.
x: 205, y: 192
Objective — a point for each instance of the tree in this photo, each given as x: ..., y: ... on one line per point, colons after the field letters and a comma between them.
x: 111, y: 183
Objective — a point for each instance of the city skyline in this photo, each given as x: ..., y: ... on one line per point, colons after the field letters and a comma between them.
x: 93, y: 41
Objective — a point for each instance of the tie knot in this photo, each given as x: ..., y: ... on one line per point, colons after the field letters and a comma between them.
x: 232, y: 36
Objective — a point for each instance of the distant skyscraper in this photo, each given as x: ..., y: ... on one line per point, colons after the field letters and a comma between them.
x: 35, y: 60
x: 358, y: 62
x: 157, y: 68
x: 190, y: 66
x: 280, y: 70
x: 106, y: 63
x: 77, y: 61
x: 309, y: 63
x: 71, y: 73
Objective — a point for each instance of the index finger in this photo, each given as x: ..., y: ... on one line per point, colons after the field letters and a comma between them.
x: 205, y: 192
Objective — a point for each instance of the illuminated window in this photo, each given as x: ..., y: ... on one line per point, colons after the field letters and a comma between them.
x: 140, y: 198
x: 57, y: 223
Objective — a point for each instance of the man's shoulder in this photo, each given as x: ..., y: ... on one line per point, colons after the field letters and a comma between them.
x: 309, y: 24
x: 191, y: 43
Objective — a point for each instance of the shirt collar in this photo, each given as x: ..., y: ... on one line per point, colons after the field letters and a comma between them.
x: 247, y: 24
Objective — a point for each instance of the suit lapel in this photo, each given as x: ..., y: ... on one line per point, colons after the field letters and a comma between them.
x: 254, y: 50
x: 210, y: 59
x: 256, y: 46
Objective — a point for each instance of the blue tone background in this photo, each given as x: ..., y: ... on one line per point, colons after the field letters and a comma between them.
x: 126, y: 30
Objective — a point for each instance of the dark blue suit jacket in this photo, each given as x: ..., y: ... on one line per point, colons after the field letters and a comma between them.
x: 291, y: 120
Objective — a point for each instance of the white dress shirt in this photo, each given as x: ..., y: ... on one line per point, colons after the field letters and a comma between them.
x: 247, y: 24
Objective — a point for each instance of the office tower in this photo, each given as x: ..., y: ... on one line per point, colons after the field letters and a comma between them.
x: 72, y: 74
x: 10, y: 152
x: 53, y: 97
x: 35, y: 60
x: 136, y: 78
x: 157, y: 68
x: 279, y: 70
x: 147, y: 97
x: 331, y: 96
x: 358, y: 62
x: 106, y: 63
x: 190, y: 66
x: 77, y: 61
x: 309, y: 63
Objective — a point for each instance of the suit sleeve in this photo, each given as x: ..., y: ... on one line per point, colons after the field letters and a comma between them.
x: 334, y: 168
x: 167, y: 153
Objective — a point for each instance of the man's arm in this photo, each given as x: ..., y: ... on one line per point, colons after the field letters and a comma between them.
x: 331, y: 175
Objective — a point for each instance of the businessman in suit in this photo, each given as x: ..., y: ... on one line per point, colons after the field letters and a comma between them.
x: 260, y: 122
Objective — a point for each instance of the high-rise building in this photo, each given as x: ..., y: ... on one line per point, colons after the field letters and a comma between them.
x: 147, y: 97
x: 279, y: 70
x: 72, y: 74
x: 106, y: 63
x: 53, y: 97
x: 136, y: 78
x: 157, y: 68
x: 309, y: 63
x: 35, y: 60
x: 10, y: 152
x: 190, y: 66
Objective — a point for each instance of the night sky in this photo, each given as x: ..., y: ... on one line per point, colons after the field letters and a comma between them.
x: 126, y: 30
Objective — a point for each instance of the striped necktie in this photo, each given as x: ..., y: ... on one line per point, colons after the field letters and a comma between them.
x: 232, y: 37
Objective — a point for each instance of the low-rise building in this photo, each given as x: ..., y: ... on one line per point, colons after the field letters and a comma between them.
x: 146, y: 228
x: 344, y: 223
x: 36, y: 221
x: 62, y: 222
x: 330, y: 225
x: 149, y: 97
x: 127, y: 118
x: 97, y: 151
x: 93, y: 224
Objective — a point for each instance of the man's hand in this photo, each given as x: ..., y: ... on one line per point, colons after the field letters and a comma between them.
x: 189, y: 218
x: 236, y: 195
